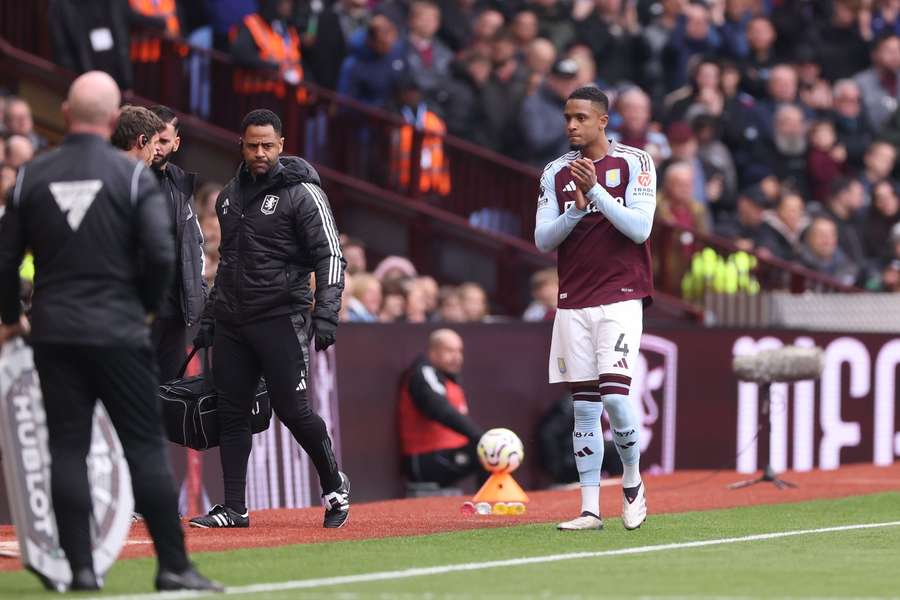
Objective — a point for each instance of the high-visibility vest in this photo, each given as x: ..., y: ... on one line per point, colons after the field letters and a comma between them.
x: 146, y: 50
x: 420, y: 434
x: 434, y: 172
x: 272, y: 48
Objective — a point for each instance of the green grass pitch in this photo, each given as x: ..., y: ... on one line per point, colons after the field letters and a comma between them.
x: 855, y: 563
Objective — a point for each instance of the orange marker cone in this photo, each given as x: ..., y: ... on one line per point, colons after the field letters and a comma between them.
x: 500, y: 487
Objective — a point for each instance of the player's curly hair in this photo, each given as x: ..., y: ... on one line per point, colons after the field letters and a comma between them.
x: 593, y: 95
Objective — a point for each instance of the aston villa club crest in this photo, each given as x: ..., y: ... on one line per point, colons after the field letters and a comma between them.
x: 269, y: 204
x: 613, y: 178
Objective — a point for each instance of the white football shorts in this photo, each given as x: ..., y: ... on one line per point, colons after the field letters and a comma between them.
x: 599, y: 339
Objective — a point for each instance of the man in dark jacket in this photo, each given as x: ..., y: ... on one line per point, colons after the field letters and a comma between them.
x: 183, y: 302
x: 277, y: 229
x: 99, y: 231
x: 437, y: 436
x: 92, y: 34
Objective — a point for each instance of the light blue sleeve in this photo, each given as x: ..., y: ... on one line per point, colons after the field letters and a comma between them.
x: 551, y: 227
x: 634, y: 218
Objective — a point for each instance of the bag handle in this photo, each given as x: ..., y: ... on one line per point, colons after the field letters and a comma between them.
x: 187, y: 361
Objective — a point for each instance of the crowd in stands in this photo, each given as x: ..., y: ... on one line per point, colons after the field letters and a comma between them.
x: 773, y: 123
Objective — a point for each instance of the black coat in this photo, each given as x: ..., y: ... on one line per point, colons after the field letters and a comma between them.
x: 71, y: 25
x: 187, y: 296
x: 272, y: 239
x: 100, y: 233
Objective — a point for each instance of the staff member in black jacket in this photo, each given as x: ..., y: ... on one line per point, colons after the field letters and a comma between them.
x: 99, y: 231
x: 277, y: 228
x: 183, y: 302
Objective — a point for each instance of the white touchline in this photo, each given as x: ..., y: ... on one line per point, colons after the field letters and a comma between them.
x: 301, y: 584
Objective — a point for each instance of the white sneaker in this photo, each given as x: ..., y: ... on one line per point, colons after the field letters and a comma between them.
x: 585, y: 521
x: 634, y: 512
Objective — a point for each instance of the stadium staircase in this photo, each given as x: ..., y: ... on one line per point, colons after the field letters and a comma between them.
x: 481, y: 231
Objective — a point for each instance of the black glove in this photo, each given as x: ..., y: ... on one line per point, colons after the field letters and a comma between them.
x: 323, y: 332
x: 205, y: 334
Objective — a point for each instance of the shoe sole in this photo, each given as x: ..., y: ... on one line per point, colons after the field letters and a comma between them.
x: 561, y: 528
x: 638, y: 526
x: 199, y: 526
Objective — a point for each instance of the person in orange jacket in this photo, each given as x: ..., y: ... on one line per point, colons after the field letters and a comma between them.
x: 269, y: 44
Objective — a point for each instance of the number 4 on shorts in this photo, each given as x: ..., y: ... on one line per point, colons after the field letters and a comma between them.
x: 620, y: 347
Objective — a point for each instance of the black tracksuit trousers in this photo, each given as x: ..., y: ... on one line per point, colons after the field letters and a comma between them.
x: 169, y: 337
x: 73, y: 377
x: 278, y: 349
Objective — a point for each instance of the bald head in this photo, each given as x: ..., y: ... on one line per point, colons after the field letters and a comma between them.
x: 445, y: 351
x: 93, y: 104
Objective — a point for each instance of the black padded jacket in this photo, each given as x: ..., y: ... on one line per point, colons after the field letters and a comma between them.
x: 272, y: 239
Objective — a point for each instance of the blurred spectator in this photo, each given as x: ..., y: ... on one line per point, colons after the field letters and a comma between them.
x: 524, y: 28
x: 354, y: 252
x: 544, y: 294
x: 677, y: 206
x: 450, y: 308
x: 693, y: 36
x: 878, y: 164
x: 781, y: 229
x: 540, y: 55
x: 205, y: 199
x: 416, y: 302
x: 394, y: 267
x: 633, y: 106
x: 587, y: 68
x: 542, y: 114
x: 393, y: 302
x: 842, y: 206
x: 365, y: 303
x: 842, y: 49
x: 434, y: 169
x: 555, y: 20
x: 708, y: 183
x: 745, y: 229
x: 7, y: 180
x: 797, y: 23
x: 714, y: 153
x: 760, y: 57
x: 611, y: 31
x: 880, y: 83
x: 885, y: 18
x: 18, y: 121
x: 473, y: 302
x: 890, y: 268
x: 374, y: 63
x: 736, y: 21
x: 268, y: 42
x: 781, y: 89
x: 464, y: 110
x: 785, y: 155
x: 346, y: 297
x: 437, y: 436
x: 325, y: 35
x: 820, y: 252
x: 883, y: 215
x: 153, y: 19
x: 19, y: 151
x: 227, y: 15
x: 427, y: 57
x: 92, y: 35
x: 654, y: 38
x: 485, y: 29
x: 429, y: 288
x: 457, y: 17
x: 502, y: 98
x: 826, y: 159
x: 705, y: 78
x: 850, y: 123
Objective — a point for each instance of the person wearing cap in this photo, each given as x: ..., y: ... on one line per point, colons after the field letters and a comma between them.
x: 543, y: 111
